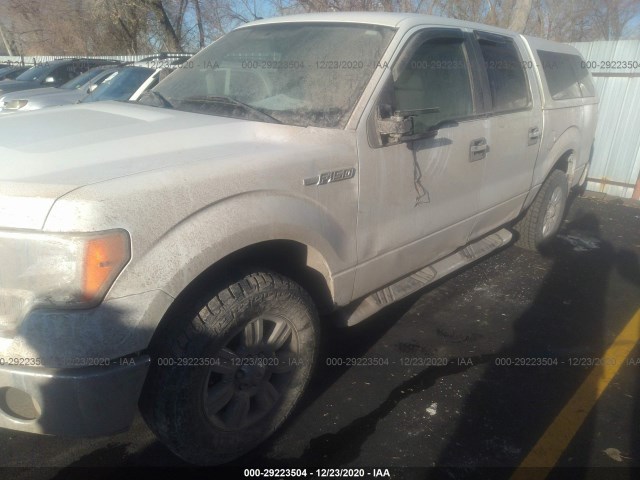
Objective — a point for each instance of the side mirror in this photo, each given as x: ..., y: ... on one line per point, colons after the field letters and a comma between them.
x: 398, y: 126
x: 391, y: 125
x: 92, y: 87
x: 49, y: 80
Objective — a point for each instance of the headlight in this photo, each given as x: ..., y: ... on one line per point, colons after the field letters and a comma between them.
x: 57, y: 270
x: 15, y: 104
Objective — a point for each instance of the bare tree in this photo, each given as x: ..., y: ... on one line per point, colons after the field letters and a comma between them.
x: 165, y: 27
x: 102, y: 27
x: 200, y: 23
x: 521, y: 12
x: 5, y: 41
x: 612, y: 16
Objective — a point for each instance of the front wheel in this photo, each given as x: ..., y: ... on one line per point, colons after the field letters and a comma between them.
x: 544, y: 216
x: 225, y: 379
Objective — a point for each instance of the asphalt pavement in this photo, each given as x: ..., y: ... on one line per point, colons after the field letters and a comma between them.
x: 475, y: 376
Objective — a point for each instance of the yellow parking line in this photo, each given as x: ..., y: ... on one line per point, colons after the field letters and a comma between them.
x: 546, y: 453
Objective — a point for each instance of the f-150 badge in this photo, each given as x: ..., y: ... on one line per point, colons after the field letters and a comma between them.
x: 330, y: 177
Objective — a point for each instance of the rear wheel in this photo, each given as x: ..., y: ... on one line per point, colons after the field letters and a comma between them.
x: 544, y: 216
x: 225, y: 379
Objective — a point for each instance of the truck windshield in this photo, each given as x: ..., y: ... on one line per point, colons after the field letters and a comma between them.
x: 307, y: 74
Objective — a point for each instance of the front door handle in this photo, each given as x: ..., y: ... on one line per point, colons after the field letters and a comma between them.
x: 534, y: 135
x: 478, y: 149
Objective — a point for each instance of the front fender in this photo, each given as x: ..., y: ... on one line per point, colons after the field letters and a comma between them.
x: 161, y: 269
x: 218, y: 230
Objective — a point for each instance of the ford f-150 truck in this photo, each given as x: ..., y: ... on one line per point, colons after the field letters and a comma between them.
x: 174, y: 255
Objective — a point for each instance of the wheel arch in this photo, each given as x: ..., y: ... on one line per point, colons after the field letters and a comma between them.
x: 564, y: 155
x: 285, y: 234
x: 294, y: 259
x: 299, y: 262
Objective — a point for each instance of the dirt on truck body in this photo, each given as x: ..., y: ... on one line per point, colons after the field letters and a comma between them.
x: 178, y: 250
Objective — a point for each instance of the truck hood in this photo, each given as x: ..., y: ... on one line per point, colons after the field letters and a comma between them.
x: 47, y: 153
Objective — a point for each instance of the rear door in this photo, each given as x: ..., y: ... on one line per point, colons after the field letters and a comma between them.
x: 513, y: 128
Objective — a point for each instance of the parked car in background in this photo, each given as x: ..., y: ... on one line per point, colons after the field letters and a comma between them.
x: 130, y: 82
x: 71, y: 92
x: 51, y: 74
x: 11, y: 72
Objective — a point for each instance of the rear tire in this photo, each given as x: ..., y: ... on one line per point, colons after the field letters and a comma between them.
x: 543, y: 218
x: 226, y: 378
x: 581, y: 188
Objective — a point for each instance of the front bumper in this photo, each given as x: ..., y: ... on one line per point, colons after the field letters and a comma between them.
x: 81, y: 402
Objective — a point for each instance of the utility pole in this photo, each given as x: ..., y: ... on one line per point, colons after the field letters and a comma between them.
x: 7, y: 45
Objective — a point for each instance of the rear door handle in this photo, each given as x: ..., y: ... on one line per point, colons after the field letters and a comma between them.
x: 478, y: 149
x: 534, y: 135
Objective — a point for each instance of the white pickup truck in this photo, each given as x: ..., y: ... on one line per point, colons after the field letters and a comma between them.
x: 174, y: 254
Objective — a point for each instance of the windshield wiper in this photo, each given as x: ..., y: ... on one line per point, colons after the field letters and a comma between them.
x: 231, y: 101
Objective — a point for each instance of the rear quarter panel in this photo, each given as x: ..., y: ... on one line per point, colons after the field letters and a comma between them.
x: 568, y: 125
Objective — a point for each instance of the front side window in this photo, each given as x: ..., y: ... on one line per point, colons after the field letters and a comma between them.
x: 435, y: 78
x: 81, y: 80
x: 507, y: 81
x: 121, y: 84
x: 306, y: 74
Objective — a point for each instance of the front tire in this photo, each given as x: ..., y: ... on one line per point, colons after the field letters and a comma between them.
x: 225, y: 379
x: 542, y: 220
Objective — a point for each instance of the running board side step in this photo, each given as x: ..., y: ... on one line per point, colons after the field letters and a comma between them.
x: 417, y: 280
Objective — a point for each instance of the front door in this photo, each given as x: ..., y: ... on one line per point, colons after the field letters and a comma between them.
x: 419, y: 198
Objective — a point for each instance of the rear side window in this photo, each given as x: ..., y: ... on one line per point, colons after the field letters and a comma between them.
x: 566, y: 75
x: 584, y: 79
x: 507, y: 81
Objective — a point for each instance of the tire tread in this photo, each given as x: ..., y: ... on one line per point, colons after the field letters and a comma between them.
x: 528, y: 228
x: 160, y: 402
